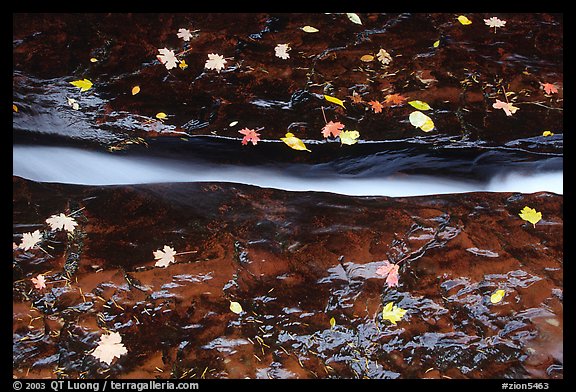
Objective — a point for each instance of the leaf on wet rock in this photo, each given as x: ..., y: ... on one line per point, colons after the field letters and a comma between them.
x: 549, y: 88
x: 215, y: 62
x: 392, y: 313
x: 354, y: 18
x: 161, y: 116
x: 547, y: 133
x: 422, y: 121
x: 310, y: 29
x: 73, y: 103
x: 236, y: 307
x: 376, y: 106
x: 164, y: 256
x: 281, y: 50
x: 135, y: 90
x: 436, y: 44
x: 367, y: 58
x: 464, y: 20
x: 356, y: 98
x: 14, y: 108
x: 83, y: 84
x: 182, y: 65
x: 294, y: 143
x: 508, y: 108
x: 332, y: 128
x: 29, y: 240
x: 497, y: 296
x: 394, y: 99
x: 39, y: 282
x: 61, y: 222
x: 384, y: 57
x: 334, y: 100
x: 494, y: 22
x: 420, y: 105
x: 250, y: 135
x: 167, y: 57
x: 332, y: 322
x: 530, y: 215
x: 109, y: 347
x: 390, y: 272
x: 349, y: 137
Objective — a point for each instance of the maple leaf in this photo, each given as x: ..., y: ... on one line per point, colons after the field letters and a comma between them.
x: 294, y: 143
x: 250, y: 135
x: 376, y: 106
x: 185, y: 34
x: 494, y: 22
x: 61, y: 222
x: 549, y: 88
x: 182, y: 64
x: 356, y: 98
x: 349, y: 137
x: 165, y: 256
x: 530, y: 215
x: 39, y: 282
x: 215, y: 61
x: 109, y: 347
x: 29, y: 240
x: 384, y: 57
x: 168, y: 58
x: 508, y: 108
x: 392, y: 313
x: 281, y: 50
x: 394, y: 99
x: 83, y: 85
x: 390, y: 271
x: 333, y: 128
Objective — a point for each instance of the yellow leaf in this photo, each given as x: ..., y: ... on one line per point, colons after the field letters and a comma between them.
x: 310, y: 29
x: 135, y: 90
x: 392, y: 313
x: 530, y: 215
x: 547, y: 133
x: 183, y: 65
x: 436, y: 44
x: 93, y: 60
x: 428, y: 125
x: 235, y: 307
x: 420, y: 105
x: 334, y: 100
x: 497, y: 296
x: 464, y: 20
x: 354, y: 18
x: 332, y: 322
x: 14, y: 108
x: 422, y: 121
x: 161, y: 116
x: 367, y: 58
x: 349, y: 137
x: 83, y: 85
x: 293, y: 142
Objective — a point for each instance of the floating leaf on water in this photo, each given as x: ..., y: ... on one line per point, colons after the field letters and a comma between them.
x: 420, y: 105
x: 497, y: 296
x: 376, y: 106
x: 530, y: 215
x: 310, y: 29
x: 334, y: 100
x: 349, y: 137
x: 354, y: 18
x: 72, y: 102
x: 39, y: 282
x: 367, y: 58
x: 464, y: 20
x: 549, y: 88
x: 62, y: 222
x: 29, y: 240
x: 135, y: 90
x: 164, y: 256
x: 508, y: 108
x: 332, y: 128
x: 215, y: 61
x: 235, y: 307
x: 83, y: 84
x: 250, y: 135
x: 294, y: 143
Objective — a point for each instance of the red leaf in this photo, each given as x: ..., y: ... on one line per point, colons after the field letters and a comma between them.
x: 376, y: 106
x: 549, y: 88
x: 390, y: 271
x: 333, y: 128
x: 250, y: 135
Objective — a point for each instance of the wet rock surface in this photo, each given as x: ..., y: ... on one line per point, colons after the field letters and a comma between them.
x: 293, y: 260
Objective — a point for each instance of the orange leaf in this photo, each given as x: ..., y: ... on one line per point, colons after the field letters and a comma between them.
x: 394, y: 99
x: 549, y: 88
x: 376, y: 106
x: 333, y: 128
x: 250, y: 135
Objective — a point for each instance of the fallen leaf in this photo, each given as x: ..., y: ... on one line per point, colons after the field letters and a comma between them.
x: 236, y: 307
x: 233, y: 123
x: 422, y: 121
x: 332, y: 322
x: 135, y: 90
x: 354, y: 18
x: 464, y: 20
x: 349, y: 137
x: 182, y: 64
x: 281, y: 50
x: 61, y: 222
x: 436, y: 44
x: 394, y: 99
x: 508, y: 108
x: 494, y: 22
x: 367, y: 58
x: 93, y: 60
x: 547, y: 133
x: 420, y: 105
x: 310, y: 29
x: 332, y: 128
x: 109, y: 347
x: 215, y: 61
x: 392, y: 313
x: 334, y: 100
x: 549, y: 88
x: 29, y: 240
x: 39, y: 282
x: 14, y: 108
x: 294, y: 143
x: 168, y: 58
x: 356, y: 98
x: 165, y: 256
x: 530, y: 215
x: 376, y: 106
x: 72, y: 102
x: 497, y: 296
x: 83, y: 84
x: 161, y: 115
x: 384, y: 57
x: 250, y: 135
x: 390, y: 271
x: 185, y: 34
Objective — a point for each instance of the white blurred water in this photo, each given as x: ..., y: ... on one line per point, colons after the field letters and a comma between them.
x: 76, y: 166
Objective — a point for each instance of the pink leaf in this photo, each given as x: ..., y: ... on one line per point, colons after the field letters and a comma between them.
x: 549, y: 88
x: 250, y: 135
x: 333, y: 128
x: 392, y: 278
x: 508, y: 108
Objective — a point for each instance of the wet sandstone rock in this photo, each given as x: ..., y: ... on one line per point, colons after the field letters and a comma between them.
x: 293, y: 260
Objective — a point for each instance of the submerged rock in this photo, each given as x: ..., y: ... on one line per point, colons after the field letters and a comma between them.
x: 293, y: 261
